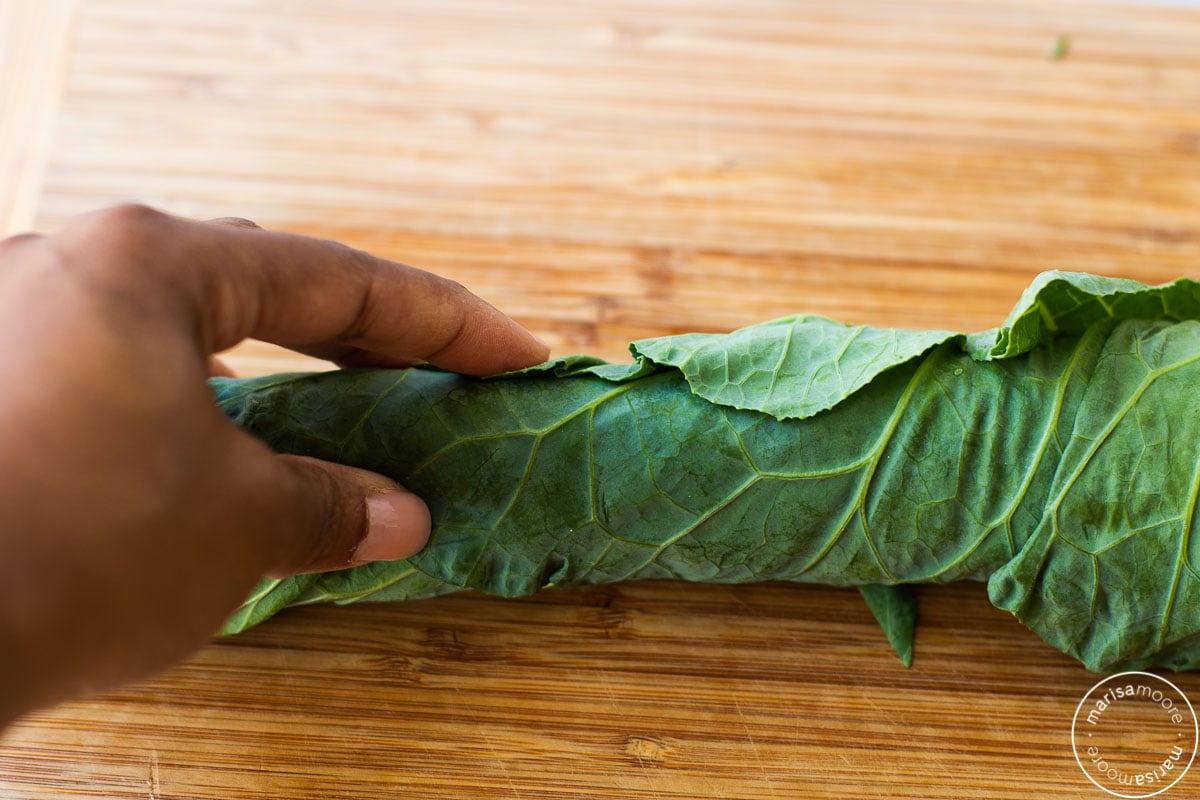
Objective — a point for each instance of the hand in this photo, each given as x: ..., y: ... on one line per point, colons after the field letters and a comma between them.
x: 133, y: 515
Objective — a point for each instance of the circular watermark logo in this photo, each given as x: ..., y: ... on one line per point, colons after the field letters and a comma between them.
x: 1135, y: 734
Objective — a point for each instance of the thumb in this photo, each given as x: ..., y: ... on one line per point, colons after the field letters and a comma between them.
x: 332, y: 517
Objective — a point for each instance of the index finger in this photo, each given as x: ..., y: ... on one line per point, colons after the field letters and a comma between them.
x: 323, y: 298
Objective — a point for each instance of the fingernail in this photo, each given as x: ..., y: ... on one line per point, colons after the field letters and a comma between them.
x: 398, y: 526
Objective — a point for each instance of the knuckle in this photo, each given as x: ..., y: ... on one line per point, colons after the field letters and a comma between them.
x: 124, y: 232
x: 123, y: 255
x: 236, y: 222
x: 452, y: 289
x: 129, y: 226
x: 359, y: 264
x: 20, y: 241
x: 456, y: 287
x: 328, y: 537
x: 119, y: 248
x: 130, y: 218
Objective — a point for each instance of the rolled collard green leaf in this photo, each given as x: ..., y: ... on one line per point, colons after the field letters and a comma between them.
x: 1055, y: 457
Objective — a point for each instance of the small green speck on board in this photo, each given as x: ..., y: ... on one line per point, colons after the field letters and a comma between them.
x: 1061, y: 47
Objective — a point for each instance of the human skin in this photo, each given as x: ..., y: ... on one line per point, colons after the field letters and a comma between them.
x: 133, y: 515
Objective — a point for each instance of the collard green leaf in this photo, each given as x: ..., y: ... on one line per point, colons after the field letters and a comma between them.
x: 1054, y: 457
x: 895, y: 609
x: 1068, y: 303
x: 791, y: 368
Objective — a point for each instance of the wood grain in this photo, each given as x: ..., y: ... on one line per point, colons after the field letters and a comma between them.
x: 606, y: 171
x: 646, y: 690
x: 35, y: 46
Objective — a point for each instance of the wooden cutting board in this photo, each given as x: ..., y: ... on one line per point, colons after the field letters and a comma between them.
x: 607, y: 171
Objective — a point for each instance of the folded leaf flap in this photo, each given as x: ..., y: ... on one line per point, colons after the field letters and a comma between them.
x: 791, y: 368
x: 795, y: 367
x: 1066, y: 303
x: 574, y: 365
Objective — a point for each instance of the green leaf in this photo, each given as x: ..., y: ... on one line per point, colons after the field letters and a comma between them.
x: 1109, y: 573
x: 1069, y: 303
x: 1054, y: 457
x: 895, y: 609
x: 268, y: 598
x: 791, y: 368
